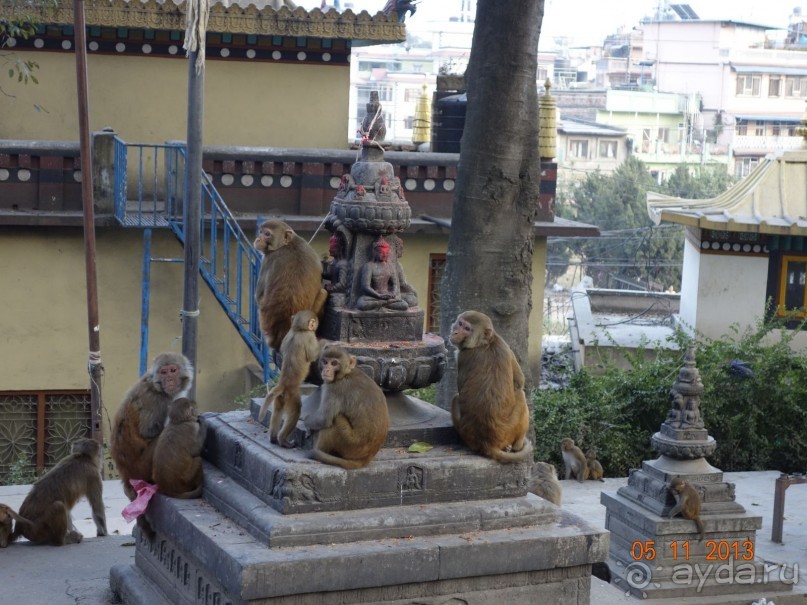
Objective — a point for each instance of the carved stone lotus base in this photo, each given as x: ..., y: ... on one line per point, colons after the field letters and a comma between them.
x: 382, y: 326
x: 685, y: 443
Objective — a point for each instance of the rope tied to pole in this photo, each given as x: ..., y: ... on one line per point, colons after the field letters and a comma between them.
x: 196, y: 30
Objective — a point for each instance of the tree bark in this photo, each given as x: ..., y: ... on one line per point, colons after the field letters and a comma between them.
x: 496, y: 201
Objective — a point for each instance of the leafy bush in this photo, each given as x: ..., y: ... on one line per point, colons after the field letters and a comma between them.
x: 758, y: 421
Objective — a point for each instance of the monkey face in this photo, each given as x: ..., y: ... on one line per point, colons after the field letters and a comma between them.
x: 312, y: 324
x: 460, y: 331
x: 329, y: 368
x: 566, y: 444
x: 273, y: 235
x: 170, y: 377
x: 335, y: 363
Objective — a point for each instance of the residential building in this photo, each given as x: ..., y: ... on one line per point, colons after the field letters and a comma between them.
x: 751, y: 96
x: 585, y: 147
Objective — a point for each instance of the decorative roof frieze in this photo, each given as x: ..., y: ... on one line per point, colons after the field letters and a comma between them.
x: 234, y: 19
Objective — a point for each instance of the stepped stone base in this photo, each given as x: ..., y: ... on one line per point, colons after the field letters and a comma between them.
x: 276, y: 527
x: 721, y: 569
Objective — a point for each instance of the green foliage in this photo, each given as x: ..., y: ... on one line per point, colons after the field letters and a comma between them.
x: 26, y: 15
x: 632, y: 248
x: 242, y: 401
x: 427, y: 394
x: 759, y: 422
x: 21, y: 472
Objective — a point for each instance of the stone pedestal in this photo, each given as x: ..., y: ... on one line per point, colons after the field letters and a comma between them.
x: 446, y: 526
x: 653, y: 556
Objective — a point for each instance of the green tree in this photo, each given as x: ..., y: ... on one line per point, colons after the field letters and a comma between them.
x: 632, y: 249
x: 18, y: 19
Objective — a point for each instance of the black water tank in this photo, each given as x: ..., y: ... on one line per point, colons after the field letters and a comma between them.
x: 448, y: 123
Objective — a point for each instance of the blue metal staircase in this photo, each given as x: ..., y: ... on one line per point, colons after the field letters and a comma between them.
x: 149, y: 193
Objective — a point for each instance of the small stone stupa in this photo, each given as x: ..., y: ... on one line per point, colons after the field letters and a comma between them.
x: 654, y: 556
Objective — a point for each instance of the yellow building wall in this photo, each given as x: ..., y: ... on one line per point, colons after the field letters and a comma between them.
x: 144, y: 99
x: 43, y: 326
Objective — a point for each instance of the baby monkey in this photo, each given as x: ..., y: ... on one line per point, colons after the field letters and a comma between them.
x: 595, y: 472
x: 687, y: 503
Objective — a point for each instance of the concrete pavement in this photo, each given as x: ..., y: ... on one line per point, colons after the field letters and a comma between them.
x: 78, y: 574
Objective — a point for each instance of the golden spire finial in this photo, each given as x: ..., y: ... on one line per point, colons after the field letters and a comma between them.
x: 547, y: 124
x: 422, y: 124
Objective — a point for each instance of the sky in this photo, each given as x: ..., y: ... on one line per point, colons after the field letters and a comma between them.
x: 589, y: 21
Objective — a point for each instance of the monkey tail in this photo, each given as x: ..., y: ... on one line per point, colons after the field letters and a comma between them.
x: 270, y: 397
x: 699, y: 525
x: 337, y: 461
x: 521, y: 455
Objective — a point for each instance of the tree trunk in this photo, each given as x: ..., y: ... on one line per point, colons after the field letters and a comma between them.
x: 496, y: 201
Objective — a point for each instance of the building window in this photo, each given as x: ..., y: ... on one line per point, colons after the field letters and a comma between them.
x: 578, y: 148
x: 543, y: 74
x: 774, y: 86
x: 664, y: 135
x: 792, y: 285
x: 777, y: 129
x: 759, y: 129
x: 607, y: 149
x: 748, y: 85
x: 409, y: 122
x: 411, y: 95
x: 743, y: 166
x: 795, y: 86
x: 38, y: 427
x: 384, y: 93
x: 437, y: 265
x: 742, y: 127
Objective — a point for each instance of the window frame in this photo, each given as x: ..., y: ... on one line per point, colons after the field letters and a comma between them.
x: 781, y: 309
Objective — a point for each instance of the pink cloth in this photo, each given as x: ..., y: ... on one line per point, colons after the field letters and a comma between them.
x: 137, y: 507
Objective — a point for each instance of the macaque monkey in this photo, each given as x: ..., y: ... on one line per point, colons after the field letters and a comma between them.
x: 544, y: 482
x: 489, y: 410
x: 142, y: 416
x: 298, y: 351
x: 573, y: 460
x: 45, y: 513
x: 352, y: 420
x: 178, y: 451
x: 595, y: 472
x: 7, y: 518
x: 687, y: 503
x: 290, y: 279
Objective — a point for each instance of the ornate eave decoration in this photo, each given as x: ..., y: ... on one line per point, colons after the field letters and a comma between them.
x: 233, y: 19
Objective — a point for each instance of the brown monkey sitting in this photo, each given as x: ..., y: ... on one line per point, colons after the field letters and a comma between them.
x: 687, y: 503
x: 290, y: 279
x: 7, y: 518
x: 595, y: 472
x: 178, y: 451
x: 45, y: 513
x: 298, y: 351
x: 544, y: 482
x: 489, y: 411
x: 573, y: 460
x: 352, y: 419
x: 142, y: 415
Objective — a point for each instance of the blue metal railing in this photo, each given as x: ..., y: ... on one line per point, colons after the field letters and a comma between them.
x: 228, y: 263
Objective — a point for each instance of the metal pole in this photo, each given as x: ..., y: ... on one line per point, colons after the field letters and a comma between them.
x: 94, y: 366
x: 192, y: 215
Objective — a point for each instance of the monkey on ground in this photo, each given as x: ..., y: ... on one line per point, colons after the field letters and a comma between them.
x: 573, y: 460
x: 352, y: 420
x: 298, y: 350
x: 687, y: 503
x: 142, y: 415
x: 489, y: 410
x: 178, y: 451
x: 7, y: 518
x: 544, y: 482
x: 290, y: 279
x: 595, y: 472
x: 45, y: 513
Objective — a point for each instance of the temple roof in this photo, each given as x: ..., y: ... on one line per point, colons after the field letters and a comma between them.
x: 772, y: 199
x: 260, y: 17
